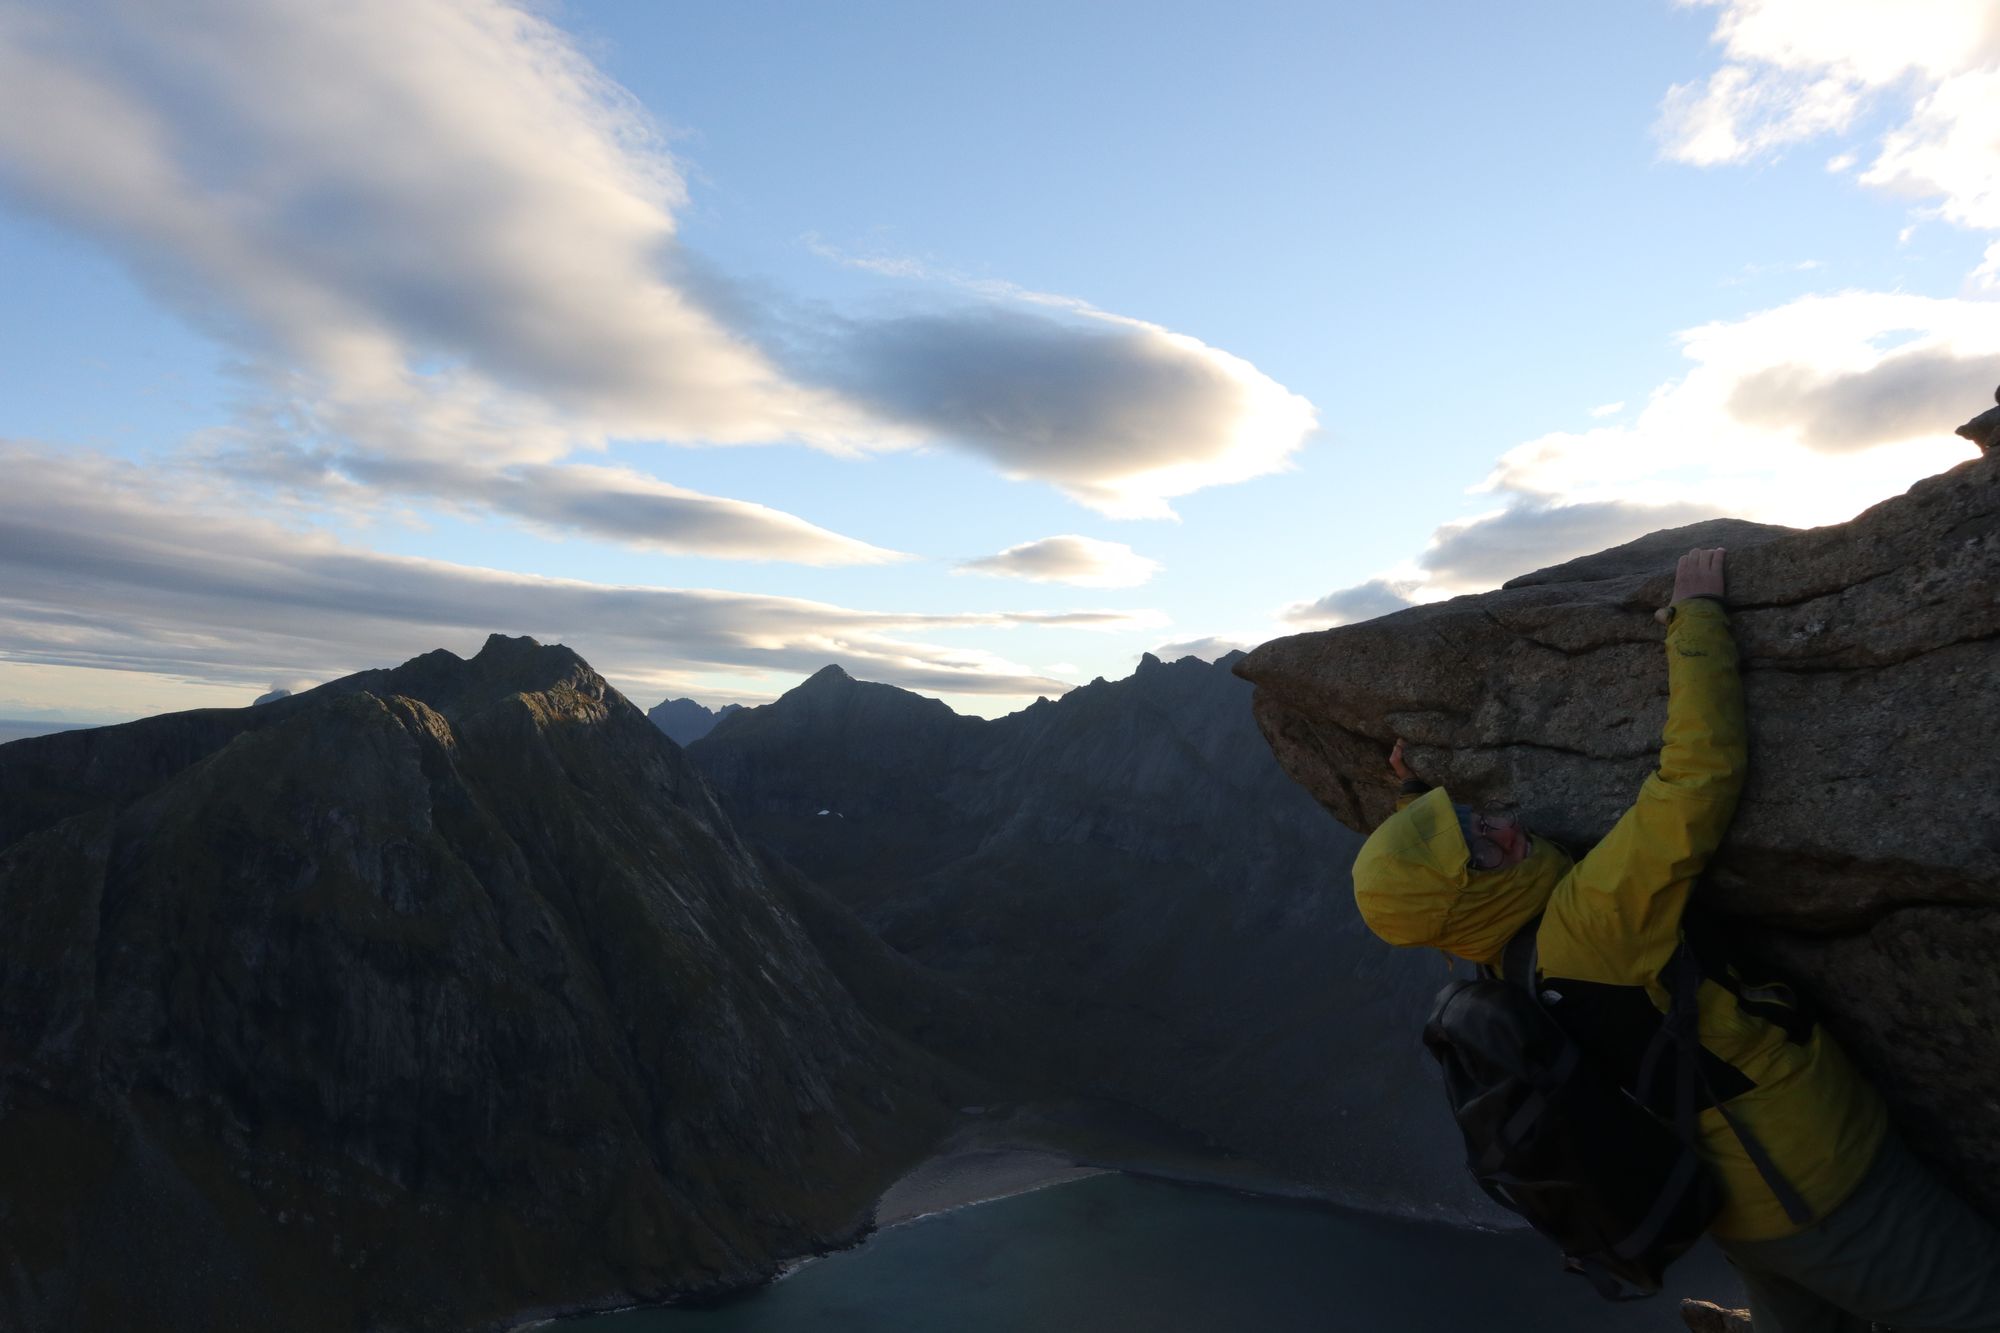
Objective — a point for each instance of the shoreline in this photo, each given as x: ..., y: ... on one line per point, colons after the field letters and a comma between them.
x: 969, y: 1177
x: 1002, y: 1152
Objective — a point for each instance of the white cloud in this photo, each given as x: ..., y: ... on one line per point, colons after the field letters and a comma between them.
x: 1800, y: 415
x: 1844, y: 410
x: 1529, y: 535
x: 105, y: 564
x: 1987, y: 276
x: 1738, y: 114
x: 1783, y: 416
x: 1207, y: 648
x: 384, y: 187
x: 434, y: 231
x: 1608, y: 409
x: 1082, y: 561
x: 1949, y: 150
x: 1798, y: 69
x: 1120, y: 415
x: 1348, y: 606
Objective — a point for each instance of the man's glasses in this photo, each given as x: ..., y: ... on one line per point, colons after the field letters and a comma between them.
x: 1479, y: 829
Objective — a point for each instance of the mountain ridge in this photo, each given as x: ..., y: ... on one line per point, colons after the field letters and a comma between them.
x: 435, y: 994
x: 1129, y: 868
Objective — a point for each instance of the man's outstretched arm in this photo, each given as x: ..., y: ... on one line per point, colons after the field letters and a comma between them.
x: 1705, y: 749
x: 1625, y: 901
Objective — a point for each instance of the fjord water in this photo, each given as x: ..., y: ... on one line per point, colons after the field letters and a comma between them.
x: 1121, y: 1254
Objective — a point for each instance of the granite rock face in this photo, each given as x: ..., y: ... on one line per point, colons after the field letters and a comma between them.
x: 1128, y: 875
x: 420, y: 1000
x: 1865, y: 856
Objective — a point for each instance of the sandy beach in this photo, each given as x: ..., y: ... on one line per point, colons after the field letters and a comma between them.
x: 1002, y: 1151
x: 976, y: 1175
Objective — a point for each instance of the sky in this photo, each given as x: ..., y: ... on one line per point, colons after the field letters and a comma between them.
x: 979, y: 349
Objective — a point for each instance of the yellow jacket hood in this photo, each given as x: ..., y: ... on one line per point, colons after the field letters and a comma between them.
x: 1414, y: 886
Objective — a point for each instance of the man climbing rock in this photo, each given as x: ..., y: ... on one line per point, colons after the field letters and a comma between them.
x: 1841, y: 1225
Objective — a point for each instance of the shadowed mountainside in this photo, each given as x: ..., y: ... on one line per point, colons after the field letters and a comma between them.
x: 1129, y: 874
x: 687, y: 721
x: 1865, y: 855
x: 418, y: 1000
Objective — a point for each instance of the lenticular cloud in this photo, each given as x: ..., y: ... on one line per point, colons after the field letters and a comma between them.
x: 435, y: 231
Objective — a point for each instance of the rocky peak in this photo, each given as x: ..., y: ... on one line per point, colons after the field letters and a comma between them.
x: 503, y: 667
x: 825, y: 680
x: 686, y: 721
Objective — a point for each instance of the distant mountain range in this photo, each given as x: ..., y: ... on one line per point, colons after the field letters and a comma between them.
x: 441, y: 994
x: 19, y: 729
x: 687, y: 721
x: 1127, y: 870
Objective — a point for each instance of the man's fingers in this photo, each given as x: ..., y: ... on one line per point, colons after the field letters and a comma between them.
x: 1699, y: 573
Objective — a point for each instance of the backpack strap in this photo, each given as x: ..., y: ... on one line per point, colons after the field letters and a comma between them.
x: 1682, y: 1027
x: 1521, y: 954
x: 1520, y: 957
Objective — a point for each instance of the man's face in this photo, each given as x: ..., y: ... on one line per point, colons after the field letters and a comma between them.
x: 1496, y: 840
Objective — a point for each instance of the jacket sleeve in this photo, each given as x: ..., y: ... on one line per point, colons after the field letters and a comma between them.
x: 1619, y: 913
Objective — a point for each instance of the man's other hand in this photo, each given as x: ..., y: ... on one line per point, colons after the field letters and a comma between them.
x: 1396, y: 764
x: 1699, y: 574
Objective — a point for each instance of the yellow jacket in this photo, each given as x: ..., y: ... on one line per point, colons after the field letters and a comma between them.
x: 1611, y: 921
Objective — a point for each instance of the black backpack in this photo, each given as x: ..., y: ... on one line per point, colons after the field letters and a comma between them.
x: 1553, y: 1138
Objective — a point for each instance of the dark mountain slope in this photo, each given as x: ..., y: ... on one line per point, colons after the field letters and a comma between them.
x: 1129, y: 872
x: 687, y: 721
x: 416, y: 1000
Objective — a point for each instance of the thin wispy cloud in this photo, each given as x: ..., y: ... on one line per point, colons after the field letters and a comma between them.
x: 1084, y: 562
x: 177, y: 585
x: 608, y: 503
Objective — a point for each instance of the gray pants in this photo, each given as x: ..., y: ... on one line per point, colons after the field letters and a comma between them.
x: 1902, y: 1252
